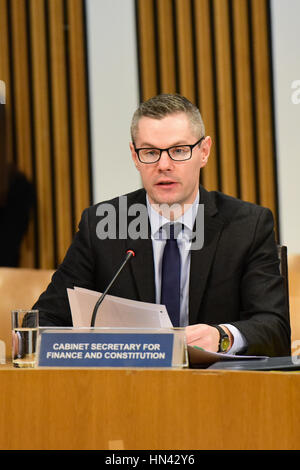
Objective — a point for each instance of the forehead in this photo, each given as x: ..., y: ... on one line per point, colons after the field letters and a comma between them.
x: 170, y: 130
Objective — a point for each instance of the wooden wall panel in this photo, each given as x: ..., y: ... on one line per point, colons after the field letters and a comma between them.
x: 22, y: 108
x: 263, y: 100
x: 41, y: 122
x: 205, y: 79
x: 166, y: 46
x: 224, y: 84
x: 43, y: 62
x: 185, y: 49
x: 78, y: 107
x: 217, y: 54
x: 147, y: 47
x: 59, y: 108
x: 244, y: 100
x: 21, y: 83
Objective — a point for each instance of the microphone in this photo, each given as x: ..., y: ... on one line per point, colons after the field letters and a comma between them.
x: 129, y: 254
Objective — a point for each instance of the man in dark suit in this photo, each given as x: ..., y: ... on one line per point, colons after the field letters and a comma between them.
x: 231, y: 295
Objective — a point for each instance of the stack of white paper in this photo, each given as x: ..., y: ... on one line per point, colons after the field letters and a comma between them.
x: 115, y: 311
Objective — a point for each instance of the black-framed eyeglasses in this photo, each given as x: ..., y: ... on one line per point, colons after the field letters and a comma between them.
x: 178, y: 153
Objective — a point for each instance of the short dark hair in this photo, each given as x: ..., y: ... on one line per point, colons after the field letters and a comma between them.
x: 165, y: 104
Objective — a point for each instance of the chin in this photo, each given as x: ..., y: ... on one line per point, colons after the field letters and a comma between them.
x: 166, y: 200
x: 161, y: 198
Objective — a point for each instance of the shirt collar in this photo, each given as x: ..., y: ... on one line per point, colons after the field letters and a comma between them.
x: 187, y: 219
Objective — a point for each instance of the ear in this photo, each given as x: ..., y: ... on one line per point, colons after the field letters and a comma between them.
x: 134, y: 155
x: 205, y: 150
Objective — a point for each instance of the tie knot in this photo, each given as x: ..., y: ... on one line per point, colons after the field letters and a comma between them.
x: 172, y: 230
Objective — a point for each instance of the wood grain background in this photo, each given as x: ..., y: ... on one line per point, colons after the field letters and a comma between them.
x: 215, y: 52
x: 43, y: 63
x: 218, y: 54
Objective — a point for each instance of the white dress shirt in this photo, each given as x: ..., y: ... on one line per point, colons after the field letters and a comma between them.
x: 158, y: 236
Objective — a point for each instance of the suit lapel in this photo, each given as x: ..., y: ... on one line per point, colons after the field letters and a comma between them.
x: 142, y: 268
x: 142, y: 265
x: 202, y: 259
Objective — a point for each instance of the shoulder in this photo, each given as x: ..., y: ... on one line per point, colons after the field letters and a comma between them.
x: 230, y: 208
x: 138, y: 196
x: 117, y: 204
x: 241, y: 218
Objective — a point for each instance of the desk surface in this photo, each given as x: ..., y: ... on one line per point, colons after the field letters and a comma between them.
x: 148, y: 409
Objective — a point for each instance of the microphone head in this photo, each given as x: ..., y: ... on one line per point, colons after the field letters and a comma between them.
x: 130, y: 252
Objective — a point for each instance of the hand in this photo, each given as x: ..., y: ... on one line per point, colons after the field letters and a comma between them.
x: 205, y: 336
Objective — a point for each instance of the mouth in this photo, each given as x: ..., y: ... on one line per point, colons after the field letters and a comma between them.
x: 166, y: 184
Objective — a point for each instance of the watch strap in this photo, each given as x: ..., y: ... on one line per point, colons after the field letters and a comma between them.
x: 223, y: 335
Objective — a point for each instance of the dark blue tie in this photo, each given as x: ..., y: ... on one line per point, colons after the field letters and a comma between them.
x: 170, y: 279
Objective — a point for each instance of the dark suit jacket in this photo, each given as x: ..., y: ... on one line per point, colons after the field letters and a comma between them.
x: 234, y: 278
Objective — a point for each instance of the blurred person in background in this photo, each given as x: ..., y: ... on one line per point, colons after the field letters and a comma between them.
x: 17, y: 198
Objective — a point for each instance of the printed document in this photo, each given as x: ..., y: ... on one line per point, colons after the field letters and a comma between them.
x: 115, y: 311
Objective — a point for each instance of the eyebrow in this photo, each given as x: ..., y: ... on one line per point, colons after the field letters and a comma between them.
x: 147, y: 145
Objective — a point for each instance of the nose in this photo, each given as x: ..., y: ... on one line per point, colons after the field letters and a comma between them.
x: 165, y: 161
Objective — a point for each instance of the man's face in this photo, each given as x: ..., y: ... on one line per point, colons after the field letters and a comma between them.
x: 168, y: 181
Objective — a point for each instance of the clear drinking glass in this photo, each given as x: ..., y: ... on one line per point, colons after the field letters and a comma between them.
x: 25, y: 325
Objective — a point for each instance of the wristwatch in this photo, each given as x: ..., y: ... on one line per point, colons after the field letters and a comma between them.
x: 224, y: 341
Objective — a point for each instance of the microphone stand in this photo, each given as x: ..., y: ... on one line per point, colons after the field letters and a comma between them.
x: 129, y: 254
